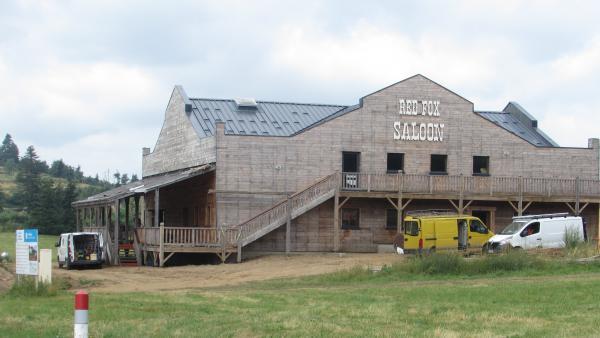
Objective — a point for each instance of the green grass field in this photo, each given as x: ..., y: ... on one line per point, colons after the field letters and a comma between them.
x: 7, y: 243
x: 518, y: 300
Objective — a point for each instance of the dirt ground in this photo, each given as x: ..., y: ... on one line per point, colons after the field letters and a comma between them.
x: 145, y: 279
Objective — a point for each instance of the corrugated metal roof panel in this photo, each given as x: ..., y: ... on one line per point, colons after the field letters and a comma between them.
x: 515, y: 126
x: 268, y: 119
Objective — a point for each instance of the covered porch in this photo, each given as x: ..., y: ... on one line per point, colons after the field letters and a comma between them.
x: 136, y: 218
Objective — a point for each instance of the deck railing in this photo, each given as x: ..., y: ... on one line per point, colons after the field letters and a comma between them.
x: 473, y: 185
x: 186, y: 236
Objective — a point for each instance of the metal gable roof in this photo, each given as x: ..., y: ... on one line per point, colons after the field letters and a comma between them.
x: 511, y: 123
x: 267, y: 119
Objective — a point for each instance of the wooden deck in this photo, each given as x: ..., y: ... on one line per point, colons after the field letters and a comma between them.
x: 167, y: 241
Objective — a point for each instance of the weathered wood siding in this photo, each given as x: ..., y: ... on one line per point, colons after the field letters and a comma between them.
x: 252, y: 165
x: 178, y: 145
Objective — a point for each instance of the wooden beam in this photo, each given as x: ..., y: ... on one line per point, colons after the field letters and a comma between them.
x: 239, y: 252
x: 513, y: 206
x: 570, y: 207
x: 288, y: 226
x: 116, y: 233
x: 453, y: 204
x: 156, y: 206
x: 467, y: 205
x: 77, y: 219
x: 343, y: 202
x: 127, y: 218
x: 392, y: 203
x: 336, y: 221
x: 168, y: 256
x: 161, y: 253
x: 526, y: 206
x: 583, y: 207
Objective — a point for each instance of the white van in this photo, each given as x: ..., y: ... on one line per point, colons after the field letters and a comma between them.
x: 536, y: 231
x: 80, y: 249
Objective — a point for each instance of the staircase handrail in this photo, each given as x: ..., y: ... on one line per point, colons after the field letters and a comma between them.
x: 331, y: 181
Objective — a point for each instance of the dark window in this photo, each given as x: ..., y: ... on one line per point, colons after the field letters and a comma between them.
x: 350, y: 162
x: 395, y: 162
x: 531, y: 229
x: 477, y: 226
x: 350, y: 218
x: 411, y: 228
x: 481, y: 165
x: 438, y: 164
x: 391, y: 219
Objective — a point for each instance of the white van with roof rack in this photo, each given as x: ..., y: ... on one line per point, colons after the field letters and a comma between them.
x: 537, y: 231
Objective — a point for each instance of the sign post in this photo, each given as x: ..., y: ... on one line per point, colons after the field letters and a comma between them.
x: 27, y: 252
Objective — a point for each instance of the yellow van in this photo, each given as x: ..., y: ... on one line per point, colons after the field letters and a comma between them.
x: 432, y: 230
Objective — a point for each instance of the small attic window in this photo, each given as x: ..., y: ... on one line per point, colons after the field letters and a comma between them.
x: 246, y: 103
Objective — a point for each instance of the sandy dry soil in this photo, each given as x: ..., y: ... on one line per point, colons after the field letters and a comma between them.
x: 127, y: 279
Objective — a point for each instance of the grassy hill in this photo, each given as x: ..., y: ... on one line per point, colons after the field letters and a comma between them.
x: 7, y: 243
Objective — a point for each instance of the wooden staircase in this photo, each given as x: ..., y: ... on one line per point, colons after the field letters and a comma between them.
x: 287, y: 209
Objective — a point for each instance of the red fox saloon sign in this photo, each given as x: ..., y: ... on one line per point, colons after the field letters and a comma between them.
x: 418, y: 131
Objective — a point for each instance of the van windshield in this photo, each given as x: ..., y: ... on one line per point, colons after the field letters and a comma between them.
x: 512, y: 228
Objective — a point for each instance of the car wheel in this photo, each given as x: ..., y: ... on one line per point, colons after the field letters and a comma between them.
x: 67, y: 265
x: 60, y: 265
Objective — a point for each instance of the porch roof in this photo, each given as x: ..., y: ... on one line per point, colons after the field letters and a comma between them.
x: 143, y: 186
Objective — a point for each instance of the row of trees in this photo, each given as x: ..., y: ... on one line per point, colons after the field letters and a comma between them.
x: 45, y: 192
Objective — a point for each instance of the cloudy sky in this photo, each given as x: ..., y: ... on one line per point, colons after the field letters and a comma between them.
x: 88, y: 81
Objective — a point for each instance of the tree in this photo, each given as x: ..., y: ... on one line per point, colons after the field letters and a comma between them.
x: 69, y: 196
x: 134, y: 178
x: 117, y: 177
x: 58, y: 169
x: 28, y: 180
x: 124, y: 179
x: 9, y: 150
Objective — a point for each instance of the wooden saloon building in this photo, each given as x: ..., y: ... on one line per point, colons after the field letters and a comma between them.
x: 235, y: 176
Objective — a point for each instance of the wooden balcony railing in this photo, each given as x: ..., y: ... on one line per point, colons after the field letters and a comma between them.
x: 186, y: 236
x: 471, y: 185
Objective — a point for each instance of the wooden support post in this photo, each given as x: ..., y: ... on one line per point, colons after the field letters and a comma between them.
x: 136, y: 216
x: 126, y: 219
x: 288, y: 226
x: 598, y: 228
x: 400, y: 208
x: 156, y: 206
x: 239, y: 252
x: 161, y: 238
x: 116, y: 233
x: 77, y: 219
x: 336, y: 221
x: 461, y: 195
x: 577, y: 196
x: 520, y: 205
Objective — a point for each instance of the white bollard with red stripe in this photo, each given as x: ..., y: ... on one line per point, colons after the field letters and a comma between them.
x: 81, y: 314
